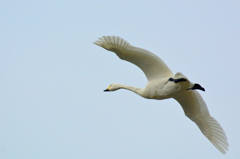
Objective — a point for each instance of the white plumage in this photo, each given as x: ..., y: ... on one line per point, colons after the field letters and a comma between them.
x: 163, y: 84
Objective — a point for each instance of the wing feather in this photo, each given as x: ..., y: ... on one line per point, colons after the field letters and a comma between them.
x: 196, y: 109
x: 152, y: 66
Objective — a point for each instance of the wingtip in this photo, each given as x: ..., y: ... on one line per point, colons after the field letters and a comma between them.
x: 96, y: 43
x: 112, y: 42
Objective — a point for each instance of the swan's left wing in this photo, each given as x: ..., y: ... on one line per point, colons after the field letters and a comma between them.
x: 152, y: 66
x: 195, y: 108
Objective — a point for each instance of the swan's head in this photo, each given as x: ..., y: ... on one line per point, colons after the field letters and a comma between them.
x: 112, y: 87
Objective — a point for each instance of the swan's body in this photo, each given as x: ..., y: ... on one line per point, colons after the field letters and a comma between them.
x: 163, y: 84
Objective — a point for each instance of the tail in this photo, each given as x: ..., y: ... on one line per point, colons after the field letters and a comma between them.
x: 112, y: 43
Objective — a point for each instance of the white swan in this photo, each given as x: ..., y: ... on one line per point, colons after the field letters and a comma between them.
x: 162, y: 84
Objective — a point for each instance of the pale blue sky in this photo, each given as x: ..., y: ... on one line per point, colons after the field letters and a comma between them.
x: 52, y: 78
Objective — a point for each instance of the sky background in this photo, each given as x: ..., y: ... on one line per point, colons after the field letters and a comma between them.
x: 52, y: 78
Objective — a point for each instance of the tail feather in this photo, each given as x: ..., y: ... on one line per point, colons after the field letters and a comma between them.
x: 112, y: 42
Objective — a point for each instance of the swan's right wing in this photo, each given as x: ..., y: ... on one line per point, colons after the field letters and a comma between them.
x: 195, y: 108
x: 152, y: 66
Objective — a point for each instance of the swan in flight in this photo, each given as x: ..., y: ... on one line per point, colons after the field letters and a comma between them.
x: 163, y: 84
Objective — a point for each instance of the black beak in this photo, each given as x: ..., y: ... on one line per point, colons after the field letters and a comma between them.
x: 106, y: 90
x: 196, y: 86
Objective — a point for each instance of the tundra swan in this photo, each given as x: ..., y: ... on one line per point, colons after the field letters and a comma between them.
x: 163, y: 84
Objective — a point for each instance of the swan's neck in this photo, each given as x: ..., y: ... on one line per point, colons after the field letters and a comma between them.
x: 136, y: 90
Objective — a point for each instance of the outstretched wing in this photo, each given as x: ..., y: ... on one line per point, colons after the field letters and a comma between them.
x: 150, y: 64
x: 195, y: 108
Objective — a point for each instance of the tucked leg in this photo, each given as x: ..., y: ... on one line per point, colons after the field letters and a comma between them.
x: 177, y: 80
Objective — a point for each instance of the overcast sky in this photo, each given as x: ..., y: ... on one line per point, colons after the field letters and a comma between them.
x: 52, y: 78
